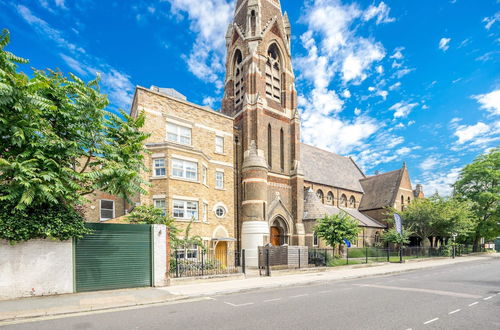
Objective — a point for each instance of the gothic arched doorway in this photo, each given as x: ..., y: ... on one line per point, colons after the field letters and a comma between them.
x: 279, y: 232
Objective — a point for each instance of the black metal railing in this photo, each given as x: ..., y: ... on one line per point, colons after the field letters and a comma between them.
x: 325, y: 257
x: 198, y: 261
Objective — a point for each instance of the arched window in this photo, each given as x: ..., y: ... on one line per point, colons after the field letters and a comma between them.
x: 352, y: 202
x: 315, y: 239
x: 343, y: 200
x: 273, y: 73
x: 329, y: 198
x: 377, y: 237
x: 320, y: 195
x: 402, y: 203
x: 282, y: 150
x: 269, y: 147
x: 238, y: 77
x: 253, y: 23
x: 409, y: 200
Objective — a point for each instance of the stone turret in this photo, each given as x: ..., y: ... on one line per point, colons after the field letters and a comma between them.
x: 254, y: 227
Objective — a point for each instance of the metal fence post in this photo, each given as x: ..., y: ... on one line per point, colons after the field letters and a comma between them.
x: 366, y: 251
x: 243, y: 265
x: 268, y: 270
x: 388, y: 254
x: 347, y: 255
x: 400, y: 254
x: 299, y: 257
x: 176, y: 263
x: 202, y: 262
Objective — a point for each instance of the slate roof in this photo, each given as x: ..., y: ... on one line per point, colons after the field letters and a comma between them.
x: 380, y: 190
x: 313, y: 208
x: 324, y: 167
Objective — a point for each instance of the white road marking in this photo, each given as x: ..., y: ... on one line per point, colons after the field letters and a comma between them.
x: 275, y: 299
x: 438, y: 292
x: 488, y: 298
x: 474, y: 303
x: 234, y: 305
x: 300, y: 295
x: 433, y: 320
x: 455, y: 311
x: 325, y: 291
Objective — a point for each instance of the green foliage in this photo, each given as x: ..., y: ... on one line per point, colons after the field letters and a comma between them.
x: 187, y: 241
x: 148, y: 214
x: 59, y: 143
x: 436, y: 216
x: 478, y: 184
x: 50, y: 221
x: 335, y: 228
x: 392, y: 236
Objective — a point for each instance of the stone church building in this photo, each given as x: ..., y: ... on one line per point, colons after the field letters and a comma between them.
x: 242, y: 174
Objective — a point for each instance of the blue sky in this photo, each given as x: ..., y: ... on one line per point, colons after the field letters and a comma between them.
x: 381, y: 81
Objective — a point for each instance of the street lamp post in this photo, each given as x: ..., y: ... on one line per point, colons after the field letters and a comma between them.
x: 454, y: 244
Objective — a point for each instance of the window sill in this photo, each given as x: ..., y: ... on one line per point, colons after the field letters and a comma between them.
x: 186, y: 220
x: 183, y: 179
x: 221, y: 189
x: 179, y: 144
x: 220, y: 153
x: 158, y: 177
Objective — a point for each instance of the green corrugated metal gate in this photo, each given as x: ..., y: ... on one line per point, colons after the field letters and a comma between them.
x: 114, y: 256
x: 497, y: 244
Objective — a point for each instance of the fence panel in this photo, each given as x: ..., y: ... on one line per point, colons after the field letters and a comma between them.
x: 204, y: 262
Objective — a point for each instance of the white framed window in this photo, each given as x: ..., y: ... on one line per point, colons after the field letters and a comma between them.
x: 219, y: 144
x: 184, y: 169
x: 106, y: 209
x: 204, y: 173
x: 315, y: 239
x: 220, y: 212
x: 159, y: 168
x: 185, y: 210
x: 205, y: 212
x: 190, y: 252
x: 219, y: 180
x: 160, y: 204
x: 178, y: 134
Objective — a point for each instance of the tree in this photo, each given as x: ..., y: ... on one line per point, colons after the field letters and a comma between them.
x: 478, y: 183
x: 58, y: 143
x: 148, y: 214
x: 436, y: 216
x: 392, y: 236
x: 335, y: 228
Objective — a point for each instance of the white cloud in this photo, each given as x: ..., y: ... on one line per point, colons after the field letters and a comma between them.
x: 383, y: 94
x: 440, y: 181
x: 402, y: 109
x: 381, y: 12
x: 429, y: 164
x: 334, y: 134
x: 380, y: 69
x: 206, y: 60
x: 467, y: 133
x: 395, y: 86
x: 403, y: 151
x: 403, y: 72
x: 346, y: 93
x: 490, y: 101
x: 489, y: 21
x: 334, y: 43
x: 398, y: 55
x: 444, y: 44
x: 357, y: 111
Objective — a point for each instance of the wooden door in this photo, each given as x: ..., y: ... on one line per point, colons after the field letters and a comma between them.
x: 221, y: 253
x: 275, y: 236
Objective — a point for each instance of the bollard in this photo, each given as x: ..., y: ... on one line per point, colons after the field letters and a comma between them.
x: 268, y: 270
x: 202, y: 263
x: 176, y: 264
x: 366, y: 255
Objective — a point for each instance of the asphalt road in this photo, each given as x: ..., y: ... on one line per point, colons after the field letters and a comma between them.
x: 460, y: 296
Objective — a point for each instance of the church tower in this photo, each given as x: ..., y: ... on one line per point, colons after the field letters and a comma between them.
x: 260, y: 94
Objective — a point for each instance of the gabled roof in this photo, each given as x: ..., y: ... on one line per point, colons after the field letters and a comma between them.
x: 364, y: 220
x: 324, y: 167
x: 380, y: 190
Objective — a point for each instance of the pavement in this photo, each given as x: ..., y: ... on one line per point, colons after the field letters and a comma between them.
x: 63, y: 305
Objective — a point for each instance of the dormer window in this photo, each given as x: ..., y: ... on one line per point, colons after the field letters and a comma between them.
x: 273, y: 74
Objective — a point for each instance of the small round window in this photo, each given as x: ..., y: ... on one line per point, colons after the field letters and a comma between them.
x: 220, y: 212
